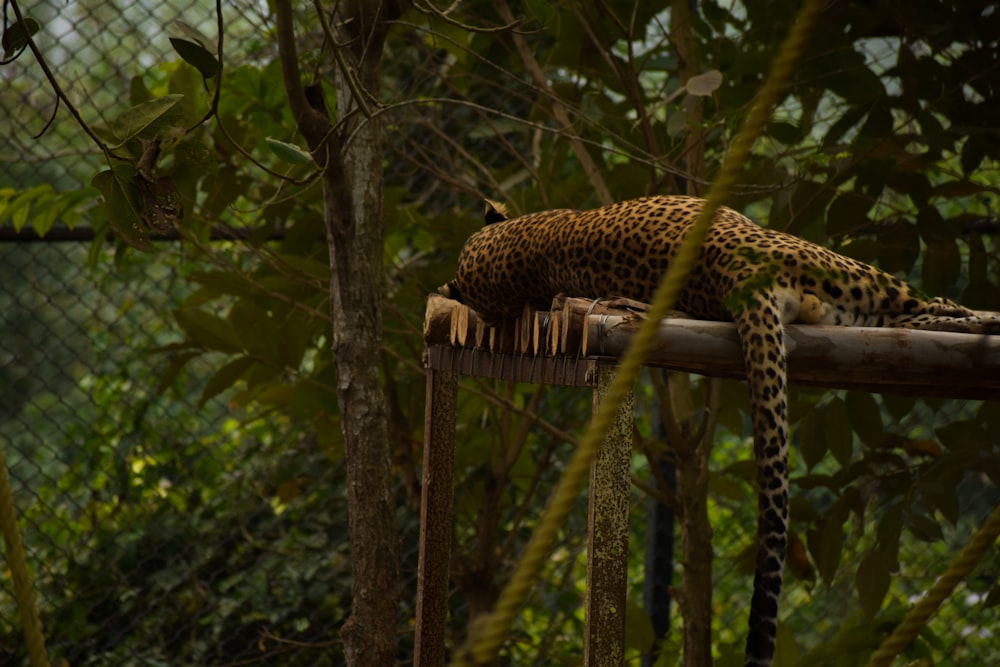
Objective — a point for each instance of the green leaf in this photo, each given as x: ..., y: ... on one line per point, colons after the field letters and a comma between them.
x: 704, y: 84
x: 19, y: 206
x: 890, y: 527
x: 74, y: 203
x: 724, y: 486
x: 328, y: 436
x: 17, y: 35
x: 838, y: 432
x: 138, y: 92
x: 277, y: 395
x: 786, y: 649
x: 973, y: 152
x: 925, y: 528
x: 979, y: 262
x: 309, y: 267
x: 785, y: 132
x: 288, y: 152
x: 965, y: 435
x: 678, y: 119
x: 262, y: 376
x: 256, y: 331
x: 992, y: 598
x: 121, y: 202
x: 942, y: 495
x: 957, y: 189
x: 189, y: 32
x: 898, y: 406
x: 639, y: 634
x: 197, y: 56
x: 219, y: 283
x: 865, y: 417
x: 186, y: 80
x: 540, y: 10
x: 847, y: 214
x: 207, y: 330
x: 898, y: 248
x: 932, y: 226
x: 224, y: 378
x: 296, y: 333
x: 310, y: 398
x: 173, y: 369
x: 872, y: 581
x: 131, y: 122
x: 826, y: 544
x: 942, y: 266
x: 812, y: 440
x: 45, y: 212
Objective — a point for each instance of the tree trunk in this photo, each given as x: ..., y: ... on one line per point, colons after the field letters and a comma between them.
x: 352, y: 192
x: 356, y: 304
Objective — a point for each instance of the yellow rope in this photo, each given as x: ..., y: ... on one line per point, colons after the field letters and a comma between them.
x: 488, y: 634
x: 23, y: 589
x: 926, y: 606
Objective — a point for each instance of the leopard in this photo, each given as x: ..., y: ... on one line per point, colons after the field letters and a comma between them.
x: 759, y: 278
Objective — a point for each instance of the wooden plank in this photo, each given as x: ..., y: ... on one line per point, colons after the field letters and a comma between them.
x: 886, y: 360
x: 607, y: 526
x: 435, y: 519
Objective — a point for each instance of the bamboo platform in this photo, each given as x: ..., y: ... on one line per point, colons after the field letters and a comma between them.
x: 565, y: 344
x: 577, y: 343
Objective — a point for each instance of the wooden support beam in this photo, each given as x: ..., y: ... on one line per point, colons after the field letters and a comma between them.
x: 607, y: 527
x: 884, y: 360
x: 435, y: 519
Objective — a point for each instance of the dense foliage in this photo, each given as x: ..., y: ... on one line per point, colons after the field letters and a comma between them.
x: 216, y: 534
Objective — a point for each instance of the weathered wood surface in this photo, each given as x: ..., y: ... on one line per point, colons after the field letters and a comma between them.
x: 885, y: 360
x: 607, y: 535
x: 437, y: 498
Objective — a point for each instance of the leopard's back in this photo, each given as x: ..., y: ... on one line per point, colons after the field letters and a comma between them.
x: 624, y: 249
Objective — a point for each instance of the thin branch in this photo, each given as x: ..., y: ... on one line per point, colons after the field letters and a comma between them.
x: 358, y: 92
x: 313, y: 125
x: 628, y: 149
x: 629, y: 76
x: 57, y: 89
x: 213, y: 108
x: 431, y: 10
x: 558, y: 108
x: 245, y: 153
x: 637, y: 156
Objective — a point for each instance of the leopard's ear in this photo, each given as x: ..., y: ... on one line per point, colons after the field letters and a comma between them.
x: 451, y: 291
x: 495, y: 211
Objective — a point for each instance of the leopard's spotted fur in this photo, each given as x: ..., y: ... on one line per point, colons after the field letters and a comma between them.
x: 754, y: 276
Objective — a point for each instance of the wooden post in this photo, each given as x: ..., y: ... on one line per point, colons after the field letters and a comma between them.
x: 607, y: 554
x: 435, y: 519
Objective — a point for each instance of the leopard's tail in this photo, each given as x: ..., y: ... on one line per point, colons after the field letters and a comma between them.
x: 762, y: 339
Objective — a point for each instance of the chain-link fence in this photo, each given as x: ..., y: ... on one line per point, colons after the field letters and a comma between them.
x: 149, y: 515
x: 165, y: 529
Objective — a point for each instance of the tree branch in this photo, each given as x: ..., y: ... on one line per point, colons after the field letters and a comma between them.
x: 57, y: 89
x: 558, y: 109
x: 312, y: 123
